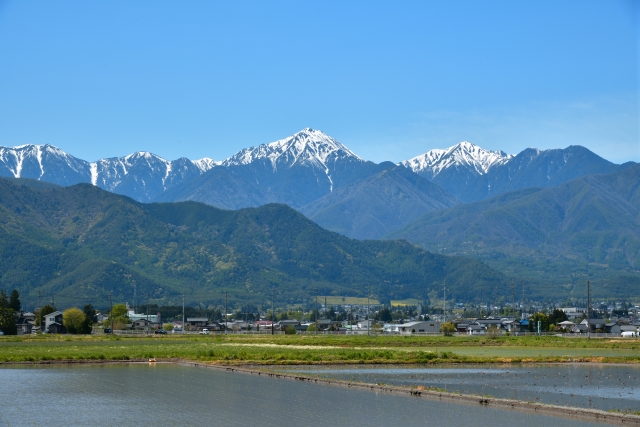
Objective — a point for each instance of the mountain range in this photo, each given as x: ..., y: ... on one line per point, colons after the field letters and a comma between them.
x: 79, y: 243
x: 310, y: 171
x: 519, y: 213
x: 587, y: 228
x: 141, y: 175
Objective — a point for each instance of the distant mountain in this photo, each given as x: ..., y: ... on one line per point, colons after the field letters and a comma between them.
x: 79, y: 243
x: 296, y: 171
x: 222, y: 187
x: 588, y: 227
x: 311, y: 171
x: 378, y: 204
x: 463, y: 158
x: 141, y: 176
x: 43, y: 162
x: 144, y: 176
x: 472, y: 173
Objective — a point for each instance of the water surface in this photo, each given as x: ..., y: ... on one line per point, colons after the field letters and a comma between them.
x: 598, y: 386
x: 165, y: 395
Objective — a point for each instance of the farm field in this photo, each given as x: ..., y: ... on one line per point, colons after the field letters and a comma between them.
x: 310, y: 349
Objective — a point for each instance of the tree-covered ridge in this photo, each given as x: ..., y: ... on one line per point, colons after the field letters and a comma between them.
x: 79, y: 243
x: 585, y: 228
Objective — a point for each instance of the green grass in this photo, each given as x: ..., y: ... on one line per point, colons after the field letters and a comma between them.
x: 333, y: 300
x: 309, y: 349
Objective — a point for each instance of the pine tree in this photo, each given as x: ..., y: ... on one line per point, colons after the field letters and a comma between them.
x: 4, y: 302
x: 14, y: 301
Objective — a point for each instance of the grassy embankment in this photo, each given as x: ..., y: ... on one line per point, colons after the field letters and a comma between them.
x: 309, y: 349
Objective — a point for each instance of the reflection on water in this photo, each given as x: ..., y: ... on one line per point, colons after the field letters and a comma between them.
x: 589, y: 386
x: 141, y: 395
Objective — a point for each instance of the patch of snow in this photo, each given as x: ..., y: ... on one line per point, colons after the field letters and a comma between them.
x: 205, y: 164
x: 94, y: 173
x: 463, y: 154
x: 39, y: 157
x: 19, y: 155
x: 166, y: 174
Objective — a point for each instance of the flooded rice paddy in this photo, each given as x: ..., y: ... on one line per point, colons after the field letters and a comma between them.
x: 605, y: 387
x: 167, y: 394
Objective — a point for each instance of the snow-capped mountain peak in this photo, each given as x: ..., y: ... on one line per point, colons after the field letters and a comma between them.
x: 309, y: 146
x: 464, y: 154
x: 32, y: 161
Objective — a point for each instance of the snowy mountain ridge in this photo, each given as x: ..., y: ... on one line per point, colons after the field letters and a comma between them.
x: 309, y: 146
x: 297, y: 170
x: 463, y: 154
x: 141, y: 175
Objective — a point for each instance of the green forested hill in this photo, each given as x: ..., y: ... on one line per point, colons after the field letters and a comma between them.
x: 554, y: 239
x: 78, y: 243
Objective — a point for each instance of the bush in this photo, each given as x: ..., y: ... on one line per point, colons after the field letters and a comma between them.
x: 74, y: 320
x: 493, y: 331
x: 448, y: 329
x: 290, y: 330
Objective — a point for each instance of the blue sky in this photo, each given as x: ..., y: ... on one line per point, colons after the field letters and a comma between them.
x: 390, y: 80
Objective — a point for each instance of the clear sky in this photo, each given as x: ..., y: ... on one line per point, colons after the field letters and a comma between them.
x: 389, y: 79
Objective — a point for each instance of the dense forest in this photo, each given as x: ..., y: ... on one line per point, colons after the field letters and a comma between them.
x: 80, y: 244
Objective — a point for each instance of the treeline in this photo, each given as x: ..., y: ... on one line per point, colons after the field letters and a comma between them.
x: 9, y: 311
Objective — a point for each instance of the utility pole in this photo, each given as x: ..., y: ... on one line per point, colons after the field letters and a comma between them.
x: 325, y: 307
x: 39, y: 310
x: 445, y: 302
x: 513, y: 298
x: 368, y: 316
x: 147, y: 313
x: 226, y: 304
x: 183, y: 313
x: 315, y: 314
x: 111, y: 301
x: 588, y: 309
x: 273, y: 314
x: 522, y: 304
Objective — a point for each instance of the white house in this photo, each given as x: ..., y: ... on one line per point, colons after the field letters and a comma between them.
x: 53, y: 322
x: 425, y: 326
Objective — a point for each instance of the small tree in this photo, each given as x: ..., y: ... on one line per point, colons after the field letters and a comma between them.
x: 90, y: 312
x: 290, y: 330
x: 384, y: 315
x: 448, y: 329
x: 312, y: 328
x: 119, y: 316
x: 168, y: 327
x: 8, y: 321
x: 14, y: 301
x: 73, y: 319
x: 47, y: 309
x: 4, y: 301
x: 538, y: 317
x: 493, y: 331
x: 557, y: 316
